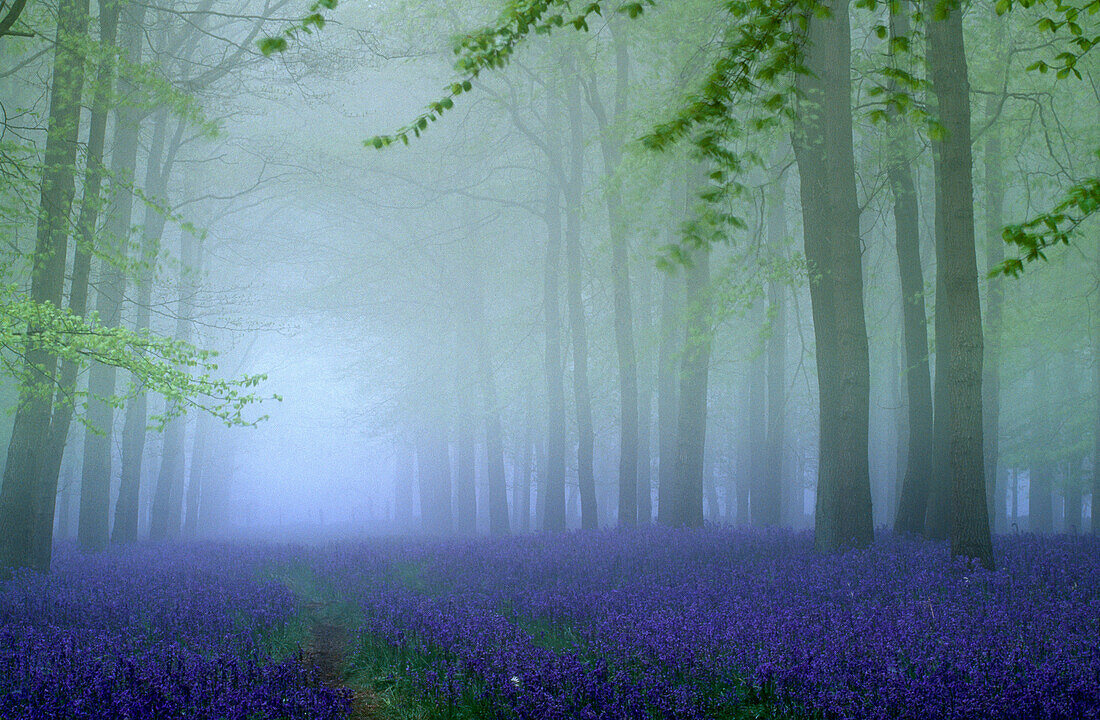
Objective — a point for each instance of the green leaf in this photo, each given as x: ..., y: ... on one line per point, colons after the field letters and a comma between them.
x: 271, y: 45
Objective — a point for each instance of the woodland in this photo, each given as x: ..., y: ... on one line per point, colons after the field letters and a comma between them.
x: 549, y: 359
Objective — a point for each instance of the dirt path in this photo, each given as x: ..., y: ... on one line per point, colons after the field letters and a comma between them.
x: 327, y: 649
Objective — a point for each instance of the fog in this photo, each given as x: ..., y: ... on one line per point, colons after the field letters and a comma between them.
x: 532, y: 359
x: 417, y: 377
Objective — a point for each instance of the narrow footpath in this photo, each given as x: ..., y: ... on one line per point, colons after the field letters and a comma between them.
x: 327, y: 650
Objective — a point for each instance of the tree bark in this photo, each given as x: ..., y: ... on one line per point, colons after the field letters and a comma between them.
x: 916, y: 482
x: 645, y: 402
x: 823, y: 148
x: 776, y: 354
x: 668, y: 377
x: 521, y: 492
x: 433, y: 463
x: 611, y: 151
x: 21, y: 496
x: 994, y: 255
x: 494, y: 436
x: 578, y: 324
x: 692, y: 425
x: 95, y: 485
x: 465, y: 489
x: 757, y: 429
x: 61, y: 418
x: 1096, y: 416
x: 200, y: 449
x: 969, y: 527
x: 136, y: 418
x: 552, y: 474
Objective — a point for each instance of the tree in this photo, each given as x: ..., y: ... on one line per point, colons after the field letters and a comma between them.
x: 916, y: 482
x: 823, y: 147
x: 624, y: 321
x: 775, y: 349
x: 691, y: 428
x: 957, y: 263
x: 21, y: 497
x: 95, y: 484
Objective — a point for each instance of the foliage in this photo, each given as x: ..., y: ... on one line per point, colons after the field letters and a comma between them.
x: 179, y: 371
x: 1049, y: 229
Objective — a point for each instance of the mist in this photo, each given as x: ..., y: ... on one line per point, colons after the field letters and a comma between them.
x: 544, y: 314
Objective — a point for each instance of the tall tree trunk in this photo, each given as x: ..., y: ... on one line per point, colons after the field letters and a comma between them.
x: 433, y: 464
x: 62, y: 415
x: 136, y: 417
x: 916, y: 482
x: 994, y: 255
x: 404, y: 480
x: 95, y: 485
x: 668, y: 376
x: 645, y: 402
x: 200, y: 450
x: 1096, y: 416
x: 494, y: 435
x: 165, y: 521
x: 578, y: 324
x: 694, y: 374
x: 969, y: 528
x: 552, y: 475
x: 521, y: 492
x: 611, y: 152
x: 21, y: 497
x: 830, y: 213
x: 757, y: 429
x: 1073, y: 503
x: 465, y: 488
x: 776, y: 352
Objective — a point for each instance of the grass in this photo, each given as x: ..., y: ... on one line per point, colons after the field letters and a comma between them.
x: 376, y: 670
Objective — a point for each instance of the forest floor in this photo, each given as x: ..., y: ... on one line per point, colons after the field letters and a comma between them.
x: 327, y: 648
x: 325, y: 633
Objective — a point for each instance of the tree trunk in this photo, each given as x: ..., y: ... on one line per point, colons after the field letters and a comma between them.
x: 916, y: 482
x: 95, y: 485
x: 611, y: 152
x: 136, y: 419
x: 578, y: 324
x: 776, y: 353
x: 692, y: 425
x: 994, y: 179
x: 494, y: 435
x: 168, y: 496
x: 552, y: 474
x: 645, y: 402
x: 1096, y: 416
x: 995, y: 298
x: 21, y: 497
x: 969, y: 528
x: 433, y: 464
x: 757, y: 430
x: 200, y: 449
x: 823, y: 148
x: 404, y: 478
x: 1073, y: 503
x: 668, y: 400
x: 521, y: 492
x: 465, y: 489
x: 62, y: 415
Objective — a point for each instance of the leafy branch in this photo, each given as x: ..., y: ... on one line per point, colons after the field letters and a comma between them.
x: 1033, y: 237
x: 181, y: 372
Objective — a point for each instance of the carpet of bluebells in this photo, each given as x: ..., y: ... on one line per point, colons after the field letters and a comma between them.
x: 647, y: 623
x: 698, y: 624
x: 150, y: 633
